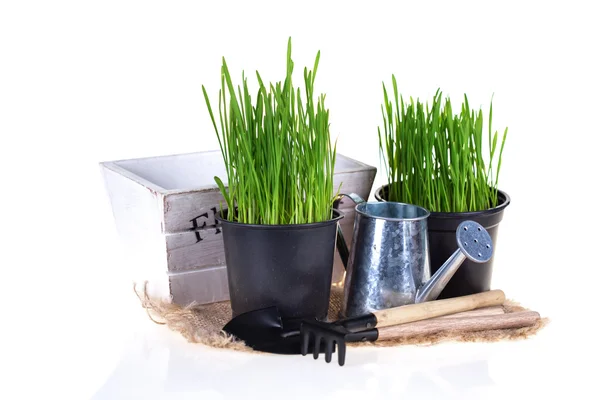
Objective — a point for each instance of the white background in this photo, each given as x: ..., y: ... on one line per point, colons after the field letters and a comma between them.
x: 85, y: 82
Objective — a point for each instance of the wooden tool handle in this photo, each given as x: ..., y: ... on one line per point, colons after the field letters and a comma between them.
x: 416, y: 328
x: 480, y: 312
x: 438, y: 308
x: 465, y: 324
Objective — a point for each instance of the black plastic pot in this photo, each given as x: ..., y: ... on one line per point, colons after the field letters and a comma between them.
x: 471, y: 277
x: 288, y: 266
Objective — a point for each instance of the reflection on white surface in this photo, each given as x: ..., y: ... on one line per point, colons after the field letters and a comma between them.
x: 159, y: 364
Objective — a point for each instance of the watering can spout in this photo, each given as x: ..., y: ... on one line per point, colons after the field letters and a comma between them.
x: 474, y: 243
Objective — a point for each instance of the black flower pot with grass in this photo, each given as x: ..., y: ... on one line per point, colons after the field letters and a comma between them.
x: 441, y: 160
x: 288, y: 266
x: 280, y: 240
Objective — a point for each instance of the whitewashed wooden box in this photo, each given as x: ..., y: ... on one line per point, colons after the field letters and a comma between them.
x: 164, y: 211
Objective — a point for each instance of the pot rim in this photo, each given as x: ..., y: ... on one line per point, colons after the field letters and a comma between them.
x: 454, y: 214
x: 360, y: 211
x: 338, y: 215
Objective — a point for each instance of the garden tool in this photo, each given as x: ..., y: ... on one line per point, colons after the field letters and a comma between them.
x: 388, y: 265
x: 266, y: 331
x: 368, y: 327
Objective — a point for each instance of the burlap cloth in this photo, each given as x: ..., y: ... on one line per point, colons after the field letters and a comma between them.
x: 203, y: 323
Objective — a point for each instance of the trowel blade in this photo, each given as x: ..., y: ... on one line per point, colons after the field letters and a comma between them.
x: 264, y: 330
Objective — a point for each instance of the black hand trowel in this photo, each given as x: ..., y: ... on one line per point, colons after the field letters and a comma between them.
x: 266, y: 331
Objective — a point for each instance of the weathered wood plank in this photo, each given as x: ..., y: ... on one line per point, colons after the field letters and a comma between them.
x: 206, y: 286
x: 136, y: 210
x: 191, y: 210
x: 354, y: 182
x: 195, y: 250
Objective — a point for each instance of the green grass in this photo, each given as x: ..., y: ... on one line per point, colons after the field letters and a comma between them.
x: 276, y: 148
x: 435, y: 158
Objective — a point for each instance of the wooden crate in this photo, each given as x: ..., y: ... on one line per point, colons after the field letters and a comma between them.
x: 164, y: 210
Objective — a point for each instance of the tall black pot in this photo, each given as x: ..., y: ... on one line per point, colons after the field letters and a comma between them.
x: 288, y: 266
x: 471, y: 277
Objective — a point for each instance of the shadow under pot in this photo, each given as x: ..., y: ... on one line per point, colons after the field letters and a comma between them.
x: 471, y: 277
x: 287, y: 266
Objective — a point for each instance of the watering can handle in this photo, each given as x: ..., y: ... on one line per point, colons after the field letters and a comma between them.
x: 341, y: 244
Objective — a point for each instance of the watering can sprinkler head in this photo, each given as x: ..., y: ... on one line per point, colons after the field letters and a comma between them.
x: 474, y: 242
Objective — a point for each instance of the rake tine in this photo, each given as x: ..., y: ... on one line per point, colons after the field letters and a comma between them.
x: 330, y: 337
x: 305, y: 342
x: 341, y: 348
x: 316, y: 346
x: 329, y: 350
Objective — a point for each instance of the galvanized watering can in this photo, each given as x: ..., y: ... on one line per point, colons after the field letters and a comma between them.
x: 389, y: 262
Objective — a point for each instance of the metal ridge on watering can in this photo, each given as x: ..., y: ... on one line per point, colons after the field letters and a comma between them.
x: 389, y: 264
